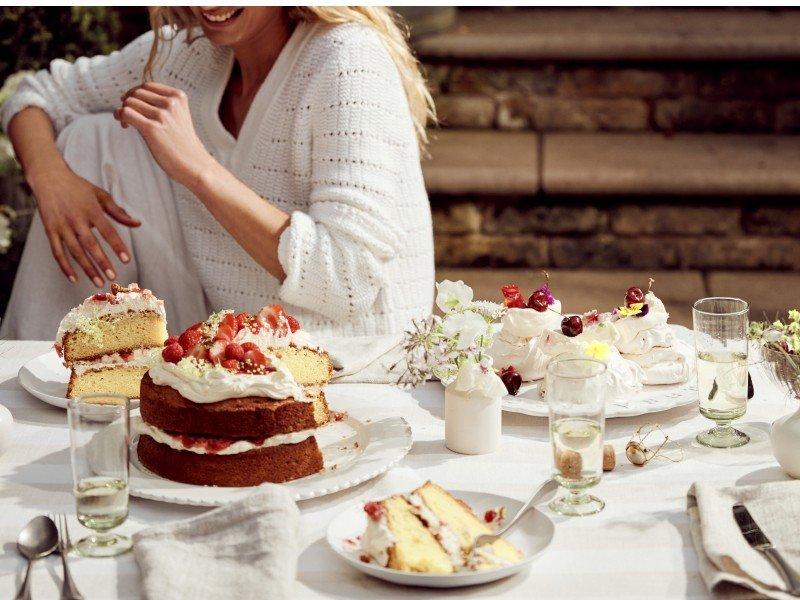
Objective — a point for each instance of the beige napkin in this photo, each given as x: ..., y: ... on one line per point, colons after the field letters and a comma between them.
x: 365, y: 359
x: 729, y: 566
x: 247, y: 549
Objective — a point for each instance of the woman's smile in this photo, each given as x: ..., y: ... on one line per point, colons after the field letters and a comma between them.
x: 216, y: 16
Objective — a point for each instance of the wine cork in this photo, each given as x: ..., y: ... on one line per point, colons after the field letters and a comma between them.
x: 609, y: 458
x: 569, y: 463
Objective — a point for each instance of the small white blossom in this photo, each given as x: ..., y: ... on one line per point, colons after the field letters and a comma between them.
x: 464, y: 328
x: 452, y: 295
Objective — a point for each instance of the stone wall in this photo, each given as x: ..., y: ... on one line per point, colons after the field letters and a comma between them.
x: 696, y: 96
x: 652, y: 233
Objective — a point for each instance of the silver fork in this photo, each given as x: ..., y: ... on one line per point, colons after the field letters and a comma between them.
x: 69, y: 591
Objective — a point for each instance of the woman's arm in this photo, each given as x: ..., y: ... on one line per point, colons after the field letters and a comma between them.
x: 71, y: 207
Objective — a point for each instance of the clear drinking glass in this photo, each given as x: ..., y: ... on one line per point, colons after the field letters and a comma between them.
x: 720, y: 337
x: 575, y: 389
x: 99, y: 441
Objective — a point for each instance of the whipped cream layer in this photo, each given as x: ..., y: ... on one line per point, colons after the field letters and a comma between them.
x: 638, y: 335
x: 377, y: 539
x: 443, y: 533
x: 268, y: 338
x: 204, y: 383
x: 663, y: 366
x: 529, y: 323
x: 137, y: 300
x: 237, y: 447
x: 141, y: 358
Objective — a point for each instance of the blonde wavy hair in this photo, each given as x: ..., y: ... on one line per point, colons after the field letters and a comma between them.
x: 389, y: 26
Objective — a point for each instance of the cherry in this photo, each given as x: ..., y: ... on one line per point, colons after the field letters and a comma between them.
x: 572, y: 326
x: 634, y: 295
x: 538, y: 301
x: 511, y: 379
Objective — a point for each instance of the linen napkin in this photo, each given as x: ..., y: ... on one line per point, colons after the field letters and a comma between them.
x: 365, y: 359
x: 728, y: 565
x: 247, y: 549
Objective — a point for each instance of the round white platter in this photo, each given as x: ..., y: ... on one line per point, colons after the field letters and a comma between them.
x: 650, y: 399
x: 46, y: 378
x: 353, y: 450
x: 532, y: 534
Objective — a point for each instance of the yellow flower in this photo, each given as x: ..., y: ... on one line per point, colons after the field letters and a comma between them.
x: 794, y: 315
x: 597, y: 350
x: 633, y: 309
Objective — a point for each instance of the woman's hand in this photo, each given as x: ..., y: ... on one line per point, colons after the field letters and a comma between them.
x: 70, y: 208
x: 161, y: 115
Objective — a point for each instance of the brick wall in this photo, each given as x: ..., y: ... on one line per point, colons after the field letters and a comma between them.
x: 637, y: 233
x: 754, y: 97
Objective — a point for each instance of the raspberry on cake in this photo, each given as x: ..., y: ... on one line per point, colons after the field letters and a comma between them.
x: 108, y: 341
x: 430, y: 531
x: 221, y: 407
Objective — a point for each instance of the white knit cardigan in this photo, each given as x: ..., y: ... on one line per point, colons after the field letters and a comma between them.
x: 328, y: 139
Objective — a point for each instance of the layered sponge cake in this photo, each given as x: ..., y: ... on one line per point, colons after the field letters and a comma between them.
x: 235, y: 401
x: 109, y: 340
x: 431, y: 531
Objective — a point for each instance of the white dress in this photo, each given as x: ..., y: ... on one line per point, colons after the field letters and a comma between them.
x: 328, y: 139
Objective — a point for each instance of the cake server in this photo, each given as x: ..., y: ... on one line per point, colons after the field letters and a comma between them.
x: 546, y: 489
x: 758, y: 541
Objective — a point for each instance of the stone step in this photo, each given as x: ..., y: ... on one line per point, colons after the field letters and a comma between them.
x: 682, y: 164
x: 618, y: 34
x: 482, y: 162
x: 580, y: 290
x: 490, y: 162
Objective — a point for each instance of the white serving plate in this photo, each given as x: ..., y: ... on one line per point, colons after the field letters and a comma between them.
x: 650, y: 399
x: 532, y: 534
x: 353, y: 450
x: 46, y: 378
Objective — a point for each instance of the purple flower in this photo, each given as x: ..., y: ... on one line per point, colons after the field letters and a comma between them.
x: 550, y: 298
x: 644, y: 310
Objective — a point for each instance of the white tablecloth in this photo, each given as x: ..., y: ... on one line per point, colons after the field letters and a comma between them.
x: 638, y: 547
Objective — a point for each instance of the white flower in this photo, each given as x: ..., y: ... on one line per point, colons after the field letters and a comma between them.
x: 464, y: 328
x: 451, y: 295
x: 475, y: 381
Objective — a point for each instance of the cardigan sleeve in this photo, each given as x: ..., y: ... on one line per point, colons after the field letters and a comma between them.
x: 334, y: 256
x: 68, y: 90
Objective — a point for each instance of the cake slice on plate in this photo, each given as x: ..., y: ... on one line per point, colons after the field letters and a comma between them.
x: 431, y: 531
x: 107, y: 341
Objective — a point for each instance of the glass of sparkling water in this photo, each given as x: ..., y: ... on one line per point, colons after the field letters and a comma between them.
x: 720, y: 337
x: 99, y: 442
x: 575, y: 389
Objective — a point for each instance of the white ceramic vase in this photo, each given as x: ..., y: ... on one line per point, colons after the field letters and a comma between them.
x: 785, y: 439
x: 6, y: 428
x: 472, y: 425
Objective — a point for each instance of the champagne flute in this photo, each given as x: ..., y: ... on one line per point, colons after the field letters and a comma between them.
x: 99, y: 446
x: 576, y: 389
x: 720, y: 337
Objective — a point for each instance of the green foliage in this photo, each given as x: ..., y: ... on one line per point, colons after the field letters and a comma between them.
x: 30, y: 37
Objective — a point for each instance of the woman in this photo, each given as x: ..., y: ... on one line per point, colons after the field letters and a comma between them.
x: 271, y: 156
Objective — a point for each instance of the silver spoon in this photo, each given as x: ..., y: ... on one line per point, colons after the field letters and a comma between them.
x: 546, y: 489
x: 37, y: 539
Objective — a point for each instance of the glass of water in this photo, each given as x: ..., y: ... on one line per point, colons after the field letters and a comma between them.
x: 99, y: 441
x: 575, y: 389
x: 720, y: 337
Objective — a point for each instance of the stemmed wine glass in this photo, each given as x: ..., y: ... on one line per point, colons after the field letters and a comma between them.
x: 720, y: 335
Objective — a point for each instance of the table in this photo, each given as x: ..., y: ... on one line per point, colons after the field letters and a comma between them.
x: 639, y: 546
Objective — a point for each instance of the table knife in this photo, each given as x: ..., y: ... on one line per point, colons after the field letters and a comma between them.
x: 758, y: 541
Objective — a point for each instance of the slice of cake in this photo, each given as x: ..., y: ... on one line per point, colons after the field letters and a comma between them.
x: 218, y: 410
x: 431, y: 531
x: 109, y: 340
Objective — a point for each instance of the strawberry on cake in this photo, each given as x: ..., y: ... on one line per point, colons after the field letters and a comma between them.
x: 516, y: 347
x: 108, y: 341
x: 594, y: 335
x: 223, y: 405
x: 646, y: 339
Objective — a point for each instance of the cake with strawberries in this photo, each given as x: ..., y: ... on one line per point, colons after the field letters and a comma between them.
x: 516, y: 346
x: 108, y: 341
x: 432, y: 531
x: 646, y: 339
x: 235, y: 400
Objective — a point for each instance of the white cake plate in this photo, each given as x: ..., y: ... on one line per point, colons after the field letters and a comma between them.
x: 46, y: 378
x: 354, y: 451
x: 531, y: 535
x: 650, y: 399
